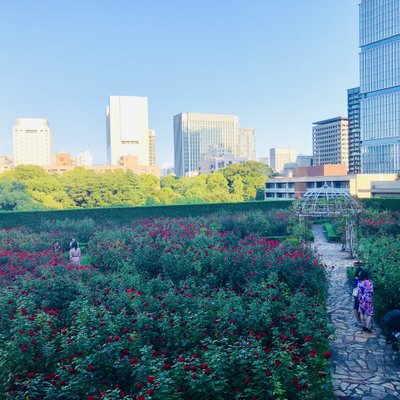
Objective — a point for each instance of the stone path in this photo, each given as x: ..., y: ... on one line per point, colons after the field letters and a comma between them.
x: 364, y: 366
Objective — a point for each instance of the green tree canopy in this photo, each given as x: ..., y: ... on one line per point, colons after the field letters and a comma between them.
x: 13, y: 197
x: 254, y: 174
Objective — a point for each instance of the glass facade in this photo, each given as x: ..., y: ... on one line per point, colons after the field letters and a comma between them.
x: 353, y: 114
x: 200, y: 136
x: 380, y: 85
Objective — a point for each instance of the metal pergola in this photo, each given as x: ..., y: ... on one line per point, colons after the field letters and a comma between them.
x: 328, y: 202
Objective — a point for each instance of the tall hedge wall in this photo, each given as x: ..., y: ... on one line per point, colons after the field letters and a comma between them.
x: 125, y: 214
x: 392, y: 204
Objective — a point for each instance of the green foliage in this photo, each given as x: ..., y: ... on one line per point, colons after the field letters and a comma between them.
x: 80, y: 229
x: 14, y: 197
x: 126, y: 214
x: 171, y: 309
x: 381, y: 256
x: 331, y: 233
x: 391, y: 204
x: 300, y: 228
x: 253, y: 175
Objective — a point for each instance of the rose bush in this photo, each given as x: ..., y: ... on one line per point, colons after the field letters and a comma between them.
x: 170, y: 309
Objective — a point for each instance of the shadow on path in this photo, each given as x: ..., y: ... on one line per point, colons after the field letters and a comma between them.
x: 364, y: 367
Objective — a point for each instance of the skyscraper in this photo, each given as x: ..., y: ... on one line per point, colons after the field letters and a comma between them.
x: 127, y: 129
x: 198, y: 136
x: 380, y: 85
x: 246, y: 146
x: 353, y: 114
x: 152, y: 147
x: 32, y: 142
x: 279, y: 156
x: 331, y: 141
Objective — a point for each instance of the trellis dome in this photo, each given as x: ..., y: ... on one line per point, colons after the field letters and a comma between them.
x: 327, y: 201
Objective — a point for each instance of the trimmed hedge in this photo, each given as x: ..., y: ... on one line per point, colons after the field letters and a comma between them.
x: 126, y: 214
x: 33, y: 219
x: 330, y: 233
x: 392, y: 204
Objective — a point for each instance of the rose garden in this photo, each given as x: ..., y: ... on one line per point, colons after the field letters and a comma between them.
x: 214, y: 307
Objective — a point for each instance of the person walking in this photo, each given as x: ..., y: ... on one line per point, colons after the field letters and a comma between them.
x: 366, y: 307
x: 356, y: 295
x: 75, y: 254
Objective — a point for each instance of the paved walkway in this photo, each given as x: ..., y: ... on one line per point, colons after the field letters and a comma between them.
x: 364, y: 366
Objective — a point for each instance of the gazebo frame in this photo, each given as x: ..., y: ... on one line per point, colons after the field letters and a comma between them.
x: 328, y: 202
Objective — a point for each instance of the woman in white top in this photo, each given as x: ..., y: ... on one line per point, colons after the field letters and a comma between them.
x: 75, y: 254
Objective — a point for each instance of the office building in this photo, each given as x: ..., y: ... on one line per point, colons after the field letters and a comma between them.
x: 213, y: 164
x: 246, y: 143
x: 63, y: 159
x: 385, y: 189
x: 380, y: 85
x: 303, y: 160
x: 306, y: 178
x: 32, y: 142
x: 126, y: 163
x: 264, y: 160
x: 331, y: 141
x: 152, y: 147
x: 127, y: 129
x: 279, y: 156
x: 84, y: 159
x: 199, y: 136
x: 353, y: 115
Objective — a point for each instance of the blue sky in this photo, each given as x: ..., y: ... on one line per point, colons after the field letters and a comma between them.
x: 278, y: 65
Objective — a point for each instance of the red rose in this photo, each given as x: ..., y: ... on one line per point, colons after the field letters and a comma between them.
x: 151, y: 379
x: 90, y: 368
x: 327, y: 355
x: 30, y: 375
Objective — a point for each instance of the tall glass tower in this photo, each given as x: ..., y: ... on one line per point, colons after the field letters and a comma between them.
x: 199, y: 136
x: 380, y: 85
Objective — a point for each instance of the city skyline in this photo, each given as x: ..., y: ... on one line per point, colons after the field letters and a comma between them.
x: 277, y: 83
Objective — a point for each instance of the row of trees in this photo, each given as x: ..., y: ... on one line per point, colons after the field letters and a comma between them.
x: 33, y: 188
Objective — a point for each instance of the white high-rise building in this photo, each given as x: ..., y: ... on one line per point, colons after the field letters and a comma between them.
x: 32, y: 142
x: 127, y: 129
x: 199, y: 136
x: 331, y: 141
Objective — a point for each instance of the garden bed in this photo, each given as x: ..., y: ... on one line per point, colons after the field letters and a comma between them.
x: 188, y: 308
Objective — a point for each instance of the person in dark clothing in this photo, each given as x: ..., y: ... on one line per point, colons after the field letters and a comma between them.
x: 356, y: 295
x: 392, y: 320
